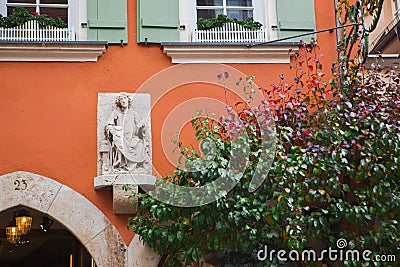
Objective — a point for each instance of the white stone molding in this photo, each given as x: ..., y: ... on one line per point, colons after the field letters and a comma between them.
x: 229, y: 53
x: 106, y: 181
x: 74, y: 51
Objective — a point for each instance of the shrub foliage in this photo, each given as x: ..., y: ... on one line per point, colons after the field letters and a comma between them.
x: 335, y: 172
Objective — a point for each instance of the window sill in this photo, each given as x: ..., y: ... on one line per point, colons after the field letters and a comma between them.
x: 189, y: 52
x: 74, y: 51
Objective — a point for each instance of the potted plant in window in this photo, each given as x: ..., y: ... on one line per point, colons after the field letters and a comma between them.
x: 225, y: 29
x: 220, y: 20
x: 20, y: 16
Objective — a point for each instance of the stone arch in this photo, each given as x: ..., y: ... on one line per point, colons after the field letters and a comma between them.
x: 140, y: 255
x: 83, y: 219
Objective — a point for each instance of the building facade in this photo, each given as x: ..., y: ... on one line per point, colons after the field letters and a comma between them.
x: 384, y: 39
x: 59, y: 89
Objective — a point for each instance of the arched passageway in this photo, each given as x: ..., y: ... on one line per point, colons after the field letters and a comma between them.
x: 78, y: 215
x: 81, y: 218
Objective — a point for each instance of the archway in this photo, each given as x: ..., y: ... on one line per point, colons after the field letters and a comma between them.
x: 79, y: 216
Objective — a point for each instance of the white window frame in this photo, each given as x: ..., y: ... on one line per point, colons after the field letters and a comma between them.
x: 225, y: 7
x: 37, y: 6
x: 77, y: 14
x: 53, y: 51
x: 264, y: 11
x: 258, y: 10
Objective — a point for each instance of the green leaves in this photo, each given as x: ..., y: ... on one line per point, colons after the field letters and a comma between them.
x: 335, y: 172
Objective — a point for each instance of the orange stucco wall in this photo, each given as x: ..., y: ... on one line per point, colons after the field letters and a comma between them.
x: 48, y: 111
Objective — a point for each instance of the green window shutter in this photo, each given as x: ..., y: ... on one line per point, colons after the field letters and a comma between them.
x: 158, y: 21
x: 295, y: 17
x: 107, y: 21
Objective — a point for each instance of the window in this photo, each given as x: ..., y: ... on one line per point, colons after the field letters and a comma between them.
x: 178, y: 24
x: 52, y: 44
x: 67, y: 10
x: 51, y: 8
x: 280, y: 19
x: 238, y: 9
x: 91, y: 20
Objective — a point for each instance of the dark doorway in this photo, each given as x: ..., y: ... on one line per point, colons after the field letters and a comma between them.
x: 56, y: 247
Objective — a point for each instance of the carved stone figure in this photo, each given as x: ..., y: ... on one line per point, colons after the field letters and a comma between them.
x: 124, y: 147
x: 125, y: 132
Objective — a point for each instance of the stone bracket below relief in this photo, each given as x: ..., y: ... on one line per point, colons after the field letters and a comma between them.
x: 107, y: 181
x: 123, y: 201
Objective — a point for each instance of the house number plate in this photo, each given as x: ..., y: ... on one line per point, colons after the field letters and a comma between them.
x: 20, y: 185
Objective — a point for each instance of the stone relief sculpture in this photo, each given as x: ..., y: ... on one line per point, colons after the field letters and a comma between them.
x: 125, y: 147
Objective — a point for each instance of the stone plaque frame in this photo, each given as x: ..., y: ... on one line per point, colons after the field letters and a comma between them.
x: 115, y: 119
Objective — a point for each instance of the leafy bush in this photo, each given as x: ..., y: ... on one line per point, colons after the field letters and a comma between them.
x: 335, y: 173
x: 20, y: 15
